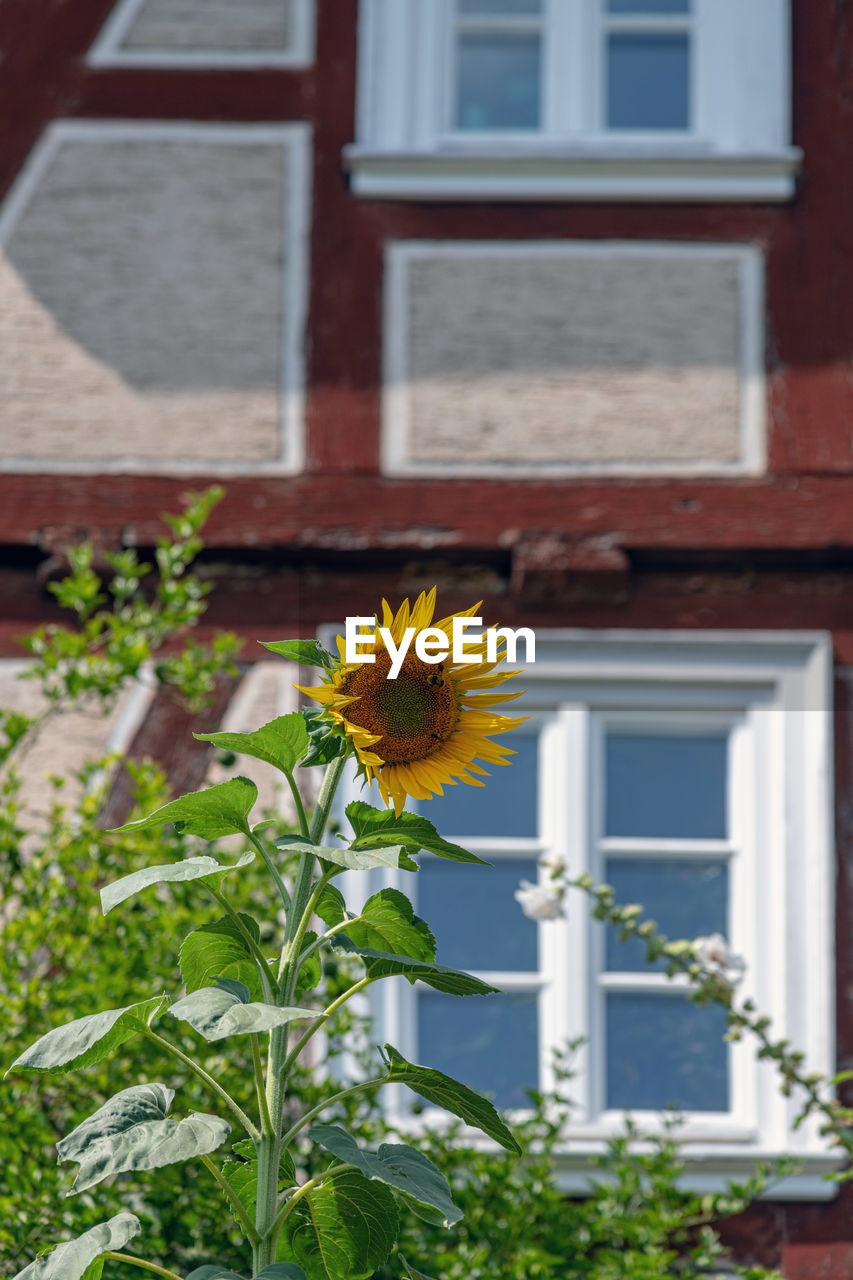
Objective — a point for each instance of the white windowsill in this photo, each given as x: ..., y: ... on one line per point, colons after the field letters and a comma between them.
x: 512, y: 173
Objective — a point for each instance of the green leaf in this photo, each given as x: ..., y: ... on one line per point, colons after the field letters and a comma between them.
x: 95, y: 1271
x: 131, y: 1106
x: 280, y: 743
x: 216, y: 1013
x: 378, y: 826
x: 88, y: 1040
x: 352, y: 859
x: 344, y: 1229
x: 325, y: 743
x: 387, y: 921
x: 202, y: 868
x: 331, y: 906
x: 448, y: 1093
x: 397, y: 1165
x: 219, y: 950
x: 219, y: 811
x: 151, y: 1144
x: 308, y: 653
x: 383, y: 964
x: 70, y: 1261
x: 411, y: 1273
x: 240, y: 1171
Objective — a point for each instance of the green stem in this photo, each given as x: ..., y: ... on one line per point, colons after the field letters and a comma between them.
x: 328, y: 1102
x: 272, y: 869
x: 260, y: 1086
x: 140, y: 1262
x: 297, y: 800
x: 267, y: 975
x: 235, y: 1108
x: 308, y: 912
x: 231, y: 1195
x: 321, y: 1019
x: 330, y: 933
x: 270, y: 1147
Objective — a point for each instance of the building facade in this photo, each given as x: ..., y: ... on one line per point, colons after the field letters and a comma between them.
x: 546, y: 302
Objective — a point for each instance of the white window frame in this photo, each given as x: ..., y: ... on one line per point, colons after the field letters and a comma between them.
x: 108, y: 49
x: 738, y: 147
x: 773, y: 692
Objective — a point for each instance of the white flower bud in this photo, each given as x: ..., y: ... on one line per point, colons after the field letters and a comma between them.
x: 540, y: 901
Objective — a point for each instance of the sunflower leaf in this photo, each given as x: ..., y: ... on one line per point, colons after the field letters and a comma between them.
x: 219, y: 950
x: 72, y: 1260
x: 325, y: 743
x: 377, y: 826
x: 352, y: 859
x: 448, y: 1093
x: 149, y: 1144
x: 216, y: 1012
x: 331, y: 906
x: 397, y: 1165
x: 411, y: 1273
x: 131, y: 1106
x: 280, y: 743
x: 388, y: 921
x: 88, y: 1040
x: 308, y: 653
x: 219, y: 811
x: 343, y: 1229
x: 275, y: 1271
x: 383, y: 964
x: 201, y: 868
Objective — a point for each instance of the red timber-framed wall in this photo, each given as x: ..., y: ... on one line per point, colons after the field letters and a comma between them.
x: 771, y: 551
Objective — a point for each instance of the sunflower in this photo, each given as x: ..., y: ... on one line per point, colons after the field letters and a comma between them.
x: 426, y: 728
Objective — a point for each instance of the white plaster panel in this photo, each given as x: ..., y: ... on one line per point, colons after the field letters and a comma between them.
x: 516, y: 359
x: 150, y: 306
x: 212, y: 24
x: 265, y: 692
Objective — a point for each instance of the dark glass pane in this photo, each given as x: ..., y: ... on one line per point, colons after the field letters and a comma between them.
x: 490, y: 8
x: 476, y: 920
x: 648, y: 81
x: 663, y: 1051
x: 655, y: 7
x: 505, y: 806
x: 666, y: 786
x: 490, y: 1044
x: 498, y: 81
x: 688, y: 899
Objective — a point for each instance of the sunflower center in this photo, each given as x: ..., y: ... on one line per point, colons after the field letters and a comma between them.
x: 414, y: 714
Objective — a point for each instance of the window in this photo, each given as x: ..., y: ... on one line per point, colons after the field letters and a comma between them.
x: 690, y: 771
x: 553, y: 99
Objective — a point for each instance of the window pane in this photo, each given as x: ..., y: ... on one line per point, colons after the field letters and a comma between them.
x: 688, y: 899
x: 498, y: 81
x: 505, y: 806
x: 489, y: 1043
x: 666, y: 786
x: 489, y: 8
x: 664, y: 1051
x: 648, y: 81
x: 476, y: 920
x: 655, y: 7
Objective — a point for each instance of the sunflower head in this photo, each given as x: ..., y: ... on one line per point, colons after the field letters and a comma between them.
x: 427, y: 727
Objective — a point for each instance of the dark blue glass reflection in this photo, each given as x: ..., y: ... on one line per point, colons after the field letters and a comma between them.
x: 687, y: 898
x: 498, y: 80
x: 505, y: 806
x: 666, y: 786
x: 471, y: 910
x: 654, y: 8
x: 648, y: 80
x: 663, y: 1051
x: 490, y: 1044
